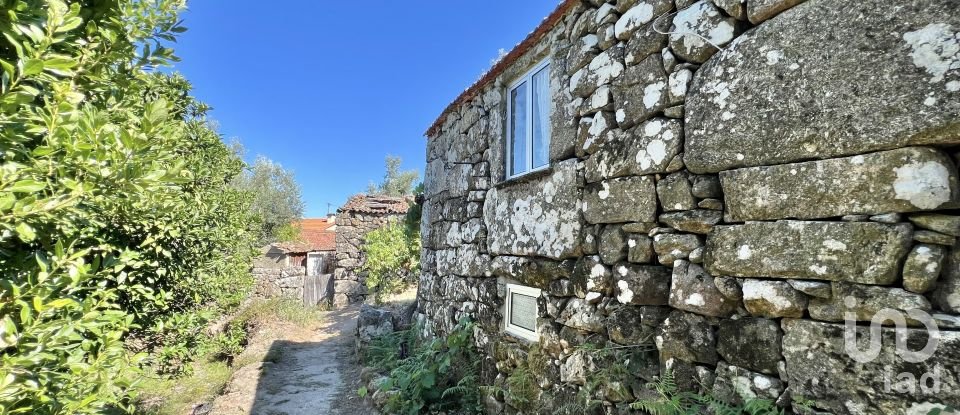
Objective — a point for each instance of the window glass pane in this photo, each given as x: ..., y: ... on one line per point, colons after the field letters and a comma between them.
x: 518, y: 123
x: 541, y: 117
x: 523, y: 311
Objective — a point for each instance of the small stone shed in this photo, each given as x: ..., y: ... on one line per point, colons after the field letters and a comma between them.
x: 361, y: 214
x: 301, y: 269
x: 710, y: 188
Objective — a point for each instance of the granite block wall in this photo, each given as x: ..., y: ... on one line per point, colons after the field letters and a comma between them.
x: 734, y: 186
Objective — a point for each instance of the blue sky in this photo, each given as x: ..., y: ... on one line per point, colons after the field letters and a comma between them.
x: 329, y: 88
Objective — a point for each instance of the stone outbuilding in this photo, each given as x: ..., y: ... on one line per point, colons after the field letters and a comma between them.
x: 361, y: 214
x: 712, y: 189
x: 301, y: 269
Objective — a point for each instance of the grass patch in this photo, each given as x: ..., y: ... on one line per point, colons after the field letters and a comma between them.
x: 169, y: 396
x: 221, y: 355
x: 279, y: 309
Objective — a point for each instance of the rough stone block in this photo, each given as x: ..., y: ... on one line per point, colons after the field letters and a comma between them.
x: 534, y: 272
x: 947, y: 224
x: 863, y: 302
x: 590, y: 276
x: 880, y: 84
x: 863, y: 252
x: 583, y: 51
x: 673, y: 246
x: 639, y: 248
x: 608, y: 36
x: 675, y: 193
x: 581, y: 315
x: 706, y: 186
x: 730, y: 288
x: 641, y: 92
x: 752, y: 343
x: 818, y: 289
x: 613, y: 244
x: 644, y: 149
x: 902, y: 180
x: 760, y: 10
x: 601, y: 100
x: 712, y: 204
x: 576, y: 368
x: 930, y: 237
x: 922, y: 267
x: 627, y: 199
x: 643, y: 43
x: 594, y: 132
x: 699, y: 30
x: 639, y: 16
x: 737, y: 386
x: 641, y: 284
x: 602, y: 70
x: 539, y: 217
x: 694, y: 221
x: 773, y: 299
x: 819, y: 368
x: 465, y: 261
x: 947, y: 294
x: 625, y: 326
x: 688, y: 337
x: 693, y: 289
x: 735, y: 8
x: 688, y: 376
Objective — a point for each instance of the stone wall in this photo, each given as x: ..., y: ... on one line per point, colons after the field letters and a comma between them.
x: 728, y: 208
x: 348, y: 278
x: 286, y: 282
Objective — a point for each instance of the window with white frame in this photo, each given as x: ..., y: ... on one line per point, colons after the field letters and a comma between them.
x: 521, y: 311
x: 528, y: 121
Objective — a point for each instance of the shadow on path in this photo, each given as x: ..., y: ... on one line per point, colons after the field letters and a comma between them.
x: 302, y: 373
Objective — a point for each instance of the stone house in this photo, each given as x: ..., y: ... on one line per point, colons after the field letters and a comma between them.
x: 710, y: 188
x: 361, y: 214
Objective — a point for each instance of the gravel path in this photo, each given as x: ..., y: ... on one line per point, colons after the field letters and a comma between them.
x: 304, y: 372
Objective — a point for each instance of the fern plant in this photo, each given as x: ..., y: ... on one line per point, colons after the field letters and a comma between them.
x: 672, y: 401
x: 521, y: 388
x: 428, y: 375
x: 612, y: 370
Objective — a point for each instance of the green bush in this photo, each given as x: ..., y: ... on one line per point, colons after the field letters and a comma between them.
x: 116, y: 214
x: 392, y: 259
x: 428, y: 375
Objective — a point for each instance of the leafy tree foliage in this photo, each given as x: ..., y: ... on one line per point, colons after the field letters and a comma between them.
x: 289, y: 232
x: 277, y: 199
x: 116, y: 212
x: 395, y: 182
x: 392, y: 259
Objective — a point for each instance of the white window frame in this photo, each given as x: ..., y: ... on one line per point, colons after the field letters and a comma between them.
x: 528, y: 78
x: 514, y: 330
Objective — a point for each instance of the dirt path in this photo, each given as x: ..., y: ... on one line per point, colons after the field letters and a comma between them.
x: 302, y: 372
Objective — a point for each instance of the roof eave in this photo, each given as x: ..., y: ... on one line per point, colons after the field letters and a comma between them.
x: 523, y: 47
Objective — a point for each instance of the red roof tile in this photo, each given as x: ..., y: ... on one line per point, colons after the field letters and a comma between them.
x: 316, y: 234
x: 320, y: 240
x: 316, y: 224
